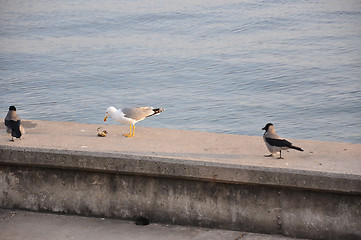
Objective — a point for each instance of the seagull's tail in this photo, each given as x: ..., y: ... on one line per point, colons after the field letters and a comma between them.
x: 297, y: 148
x: 157, y: 111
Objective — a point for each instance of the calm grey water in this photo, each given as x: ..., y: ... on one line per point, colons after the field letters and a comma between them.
x: 222, y: 66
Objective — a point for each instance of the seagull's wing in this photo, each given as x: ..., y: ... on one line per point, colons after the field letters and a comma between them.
x: 138, y: 113
x: 278, y: 142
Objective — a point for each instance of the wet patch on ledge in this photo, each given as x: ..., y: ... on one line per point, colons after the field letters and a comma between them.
x: 25, y: 123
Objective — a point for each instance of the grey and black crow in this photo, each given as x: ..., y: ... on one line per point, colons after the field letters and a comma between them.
x: 274, y: 143
x: 13, y: 124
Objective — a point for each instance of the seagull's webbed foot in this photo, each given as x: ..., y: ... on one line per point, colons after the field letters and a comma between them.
x: 131, y: 131
x: 280, y: 157
x: 270, y: 155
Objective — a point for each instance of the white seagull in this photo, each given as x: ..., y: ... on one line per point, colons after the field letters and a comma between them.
x: 131, y: 116
x: 274, y: 143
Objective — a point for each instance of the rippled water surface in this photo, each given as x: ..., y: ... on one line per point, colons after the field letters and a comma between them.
x: 220, y: 66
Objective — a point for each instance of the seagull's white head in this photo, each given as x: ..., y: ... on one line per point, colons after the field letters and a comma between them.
x: 109, y: 112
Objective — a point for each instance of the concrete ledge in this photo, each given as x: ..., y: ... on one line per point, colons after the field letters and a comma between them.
x: 181, y: 169
x: 183, y: 177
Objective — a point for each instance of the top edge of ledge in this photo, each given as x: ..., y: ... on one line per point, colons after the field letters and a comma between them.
x: 182, y: 169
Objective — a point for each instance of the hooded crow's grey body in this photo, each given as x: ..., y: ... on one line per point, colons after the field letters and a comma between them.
x: 274, y: 143
x: 13, y: 123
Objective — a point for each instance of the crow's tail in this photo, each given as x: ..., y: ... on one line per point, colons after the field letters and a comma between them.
x: 297, y: 148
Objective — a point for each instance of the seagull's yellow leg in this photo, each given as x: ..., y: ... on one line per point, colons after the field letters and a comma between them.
x: 133, y: 132
x: 130, y: 131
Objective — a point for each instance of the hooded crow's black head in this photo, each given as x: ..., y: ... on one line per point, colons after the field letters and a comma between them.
x: 12, y: 108
x: 267, y: 126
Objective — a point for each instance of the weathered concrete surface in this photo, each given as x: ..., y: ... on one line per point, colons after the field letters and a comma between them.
x: 326, y: 165
x: 183, y: 177
x: 20, y: 225
x: 297, y: 213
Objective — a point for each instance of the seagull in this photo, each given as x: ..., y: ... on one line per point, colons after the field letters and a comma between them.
x: 131, y: 116
x: 274, y: 143
x: 13, y: 124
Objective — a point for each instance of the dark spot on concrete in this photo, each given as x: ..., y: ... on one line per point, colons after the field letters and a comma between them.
x: 142, y: 221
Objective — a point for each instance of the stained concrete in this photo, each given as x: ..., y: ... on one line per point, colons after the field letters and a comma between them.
x: 233, y: 150
x: 326, y: 165
x: 183, y: 177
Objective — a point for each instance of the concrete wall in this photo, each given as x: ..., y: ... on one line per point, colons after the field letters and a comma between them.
x: 296, y: 204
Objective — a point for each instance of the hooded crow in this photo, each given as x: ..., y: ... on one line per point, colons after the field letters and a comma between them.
x: 13, y: 124
x: 274, y: 143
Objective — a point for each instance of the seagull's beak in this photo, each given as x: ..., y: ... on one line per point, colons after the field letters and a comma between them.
x: 105, y: 118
